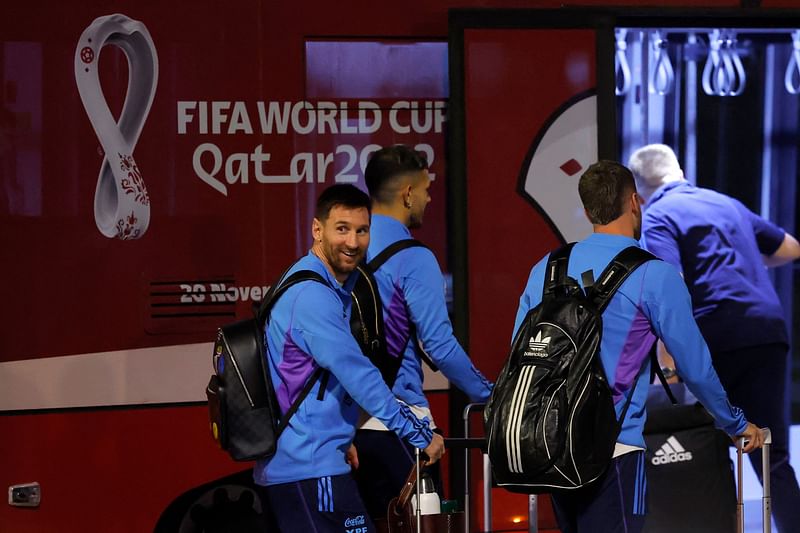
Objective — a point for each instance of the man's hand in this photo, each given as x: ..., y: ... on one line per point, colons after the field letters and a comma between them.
x: 435, y: 449
x: 753, y: 438
x: 351, y: 457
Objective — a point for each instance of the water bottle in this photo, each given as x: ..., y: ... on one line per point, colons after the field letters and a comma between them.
x: 428, y: 499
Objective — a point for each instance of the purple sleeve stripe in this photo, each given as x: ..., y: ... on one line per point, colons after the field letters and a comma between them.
x: 294, y: 370
x: 634, y: 352
x: 396, y: 324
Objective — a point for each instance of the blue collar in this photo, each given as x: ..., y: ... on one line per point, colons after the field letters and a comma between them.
x: 666, y: 188
x: 611, y: 240
x: 390, y: 224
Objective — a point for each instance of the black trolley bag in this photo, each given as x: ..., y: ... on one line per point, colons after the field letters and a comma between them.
x: 690, y: 478
x: 550, y: 420
x: 690, y: 482
x: 244, y: 416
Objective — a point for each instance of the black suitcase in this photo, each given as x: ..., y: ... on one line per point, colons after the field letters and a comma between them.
x: 690, y: 479
x: 690, y: 476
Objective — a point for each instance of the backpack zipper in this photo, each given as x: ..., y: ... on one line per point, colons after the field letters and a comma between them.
x: 575, y: 405
x: 544, y: 417
x: 379, y: 308
x: 238, y: 373
x: 364, y: 332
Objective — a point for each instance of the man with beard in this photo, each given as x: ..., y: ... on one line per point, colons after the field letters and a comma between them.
x: 417, y: 325
x: 653, y: 302
x: 307, y: 483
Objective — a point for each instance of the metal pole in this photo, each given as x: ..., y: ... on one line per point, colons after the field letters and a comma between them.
x: 765, y: 469
x: 467, y: 411
x: 466, y: 469
x: 533, y: 514
x: 739, y: 486
x: 487, y: 493
x: 419, y: 504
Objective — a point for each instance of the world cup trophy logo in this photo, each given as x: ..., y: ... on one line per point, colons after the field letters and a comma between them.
x: 121, y: 202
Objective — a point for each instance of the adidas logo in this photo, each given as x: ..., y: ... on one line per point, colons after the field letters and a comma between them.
x: 538, y: 346
x: 671, y: 452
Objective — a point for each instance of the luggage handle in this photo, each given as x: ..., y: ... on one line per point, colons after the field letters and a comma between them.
x: 419, y: 492
x: 766, y: 498
x: 487, y: 475
x: 399, y: 505
x: 467, y: 442
x: 412, y: 482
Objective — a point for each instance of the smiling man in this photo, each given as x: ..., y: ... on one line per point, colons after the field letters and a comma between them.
x: 307, y: 483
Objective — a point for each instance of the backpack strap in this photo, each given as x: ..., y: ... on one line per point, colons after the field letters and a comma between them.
x: 615, y: 273
x: 390, y: 250
x: 629, y: 399
x: 655, y: 368
x: 423, y: 355
x: 274, y: 293
x: 318, y: 372
x: 556, y: 273
x: 378, y: 262
x: 587, y: 280
x: 280, y: 287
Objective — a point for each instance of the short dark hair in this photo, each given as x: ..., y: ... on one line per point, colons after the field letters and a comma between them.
x: 342, y: 194
x: 603, y: 189
x: 389, y: 163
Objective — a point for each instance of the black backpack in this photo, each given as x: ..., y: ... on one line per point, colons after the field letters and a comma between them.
x: 550, y: 421
x: 366, y: 319
x: 244, y: 415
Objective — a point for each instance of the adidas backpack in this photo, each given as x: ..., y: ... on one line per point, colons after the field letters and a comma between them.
x: 244, y: 416
x: 550, y: 421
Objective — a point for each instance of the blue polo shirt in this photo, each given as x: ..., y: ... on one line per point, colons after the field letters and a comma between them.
x: 309, y: 328
x: 652, y: 302
x: 717, y: 243
x: 412, y: 291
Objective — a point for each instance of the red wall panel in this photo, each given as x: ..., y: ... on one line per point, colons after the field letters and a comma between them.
x: 506, y: 235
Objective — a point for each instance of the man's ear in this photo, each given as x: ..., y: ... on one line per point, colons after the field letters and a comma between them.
x: 637, y: 205
x: 316, y: 229
x: 586, y: 213
x: 405, y: 194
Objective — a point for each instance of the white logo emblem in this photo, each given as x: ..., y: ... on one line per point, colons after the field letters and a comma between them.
x: 538, y: 346
x: 121, y: 201
x: 354, y: 521
x: 671, y: 452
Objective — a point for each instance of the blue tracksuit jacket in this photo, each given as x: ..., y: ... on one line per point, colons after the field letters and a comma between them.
x: 308, y: 328
x: 652, y: 302
x: 412, y: 290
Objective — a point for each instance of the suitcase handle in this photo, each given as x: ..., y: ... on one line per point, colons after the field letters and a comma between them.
x: 467, y: 443
x: 766, y: 498
x: 487, y: 475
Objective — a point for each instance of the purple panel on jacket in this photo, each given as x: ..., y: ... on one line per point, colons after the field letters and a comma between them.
x: 294, y: 370
x: 396, y: 324
x: 634, y: 352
